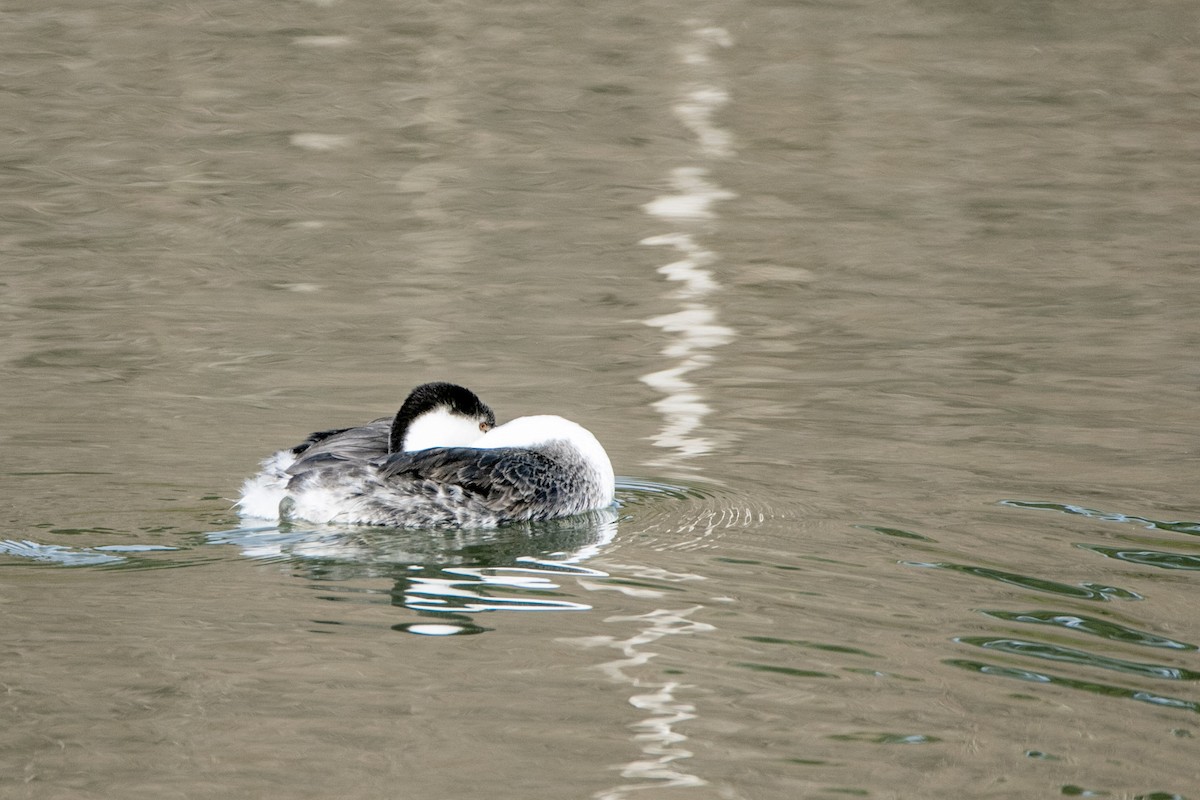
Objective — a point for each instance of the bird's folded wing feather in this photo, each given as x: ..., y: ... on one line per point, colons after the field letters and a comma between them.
x: 515, y: 475
x: 365, y: 441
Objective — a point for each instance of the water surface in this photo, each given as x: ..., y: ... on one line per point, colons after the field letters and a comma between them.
x: 883, y: 311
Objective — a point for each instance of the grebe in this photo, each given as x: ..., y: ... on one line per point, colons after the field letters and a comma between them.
x: 441, y: 461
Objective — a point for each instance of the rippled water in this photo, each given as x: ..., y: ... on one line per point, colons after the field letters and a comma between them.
x: 885, y: 313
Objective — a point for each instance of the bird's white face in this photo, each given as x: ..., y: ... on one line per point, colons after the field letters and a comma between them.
x: 441, y: 427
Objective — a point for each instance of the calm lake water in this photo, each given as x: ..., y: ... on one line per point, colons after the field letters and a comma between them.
x: 885, y: 311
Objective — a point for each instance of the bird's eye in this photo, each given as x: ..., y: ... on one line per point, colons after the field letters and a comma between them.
x: 483, y: 426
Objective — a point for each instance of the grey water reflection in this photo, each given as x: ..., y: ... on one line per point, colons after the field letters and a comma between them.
x: 660, y: 741
x: 1081, y: 591
x: 109, y: 555
x: 1177, y: 526
x: 449, y: 574
x: 694, y: 330
x: 1095, y: 626
x: 1141, y: 556
x: 1071, y: 655
x: 1092, y: 687
x: 1090, y: 652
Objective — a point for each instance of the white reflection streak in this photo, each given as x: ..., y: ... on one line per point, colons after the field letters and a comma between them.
x: 695, y: 328
x: 660, y: 743
x: 472, y: 591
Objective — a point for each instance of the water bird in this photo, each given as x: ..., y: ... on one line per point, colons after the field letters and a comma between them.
x: 441, y: 461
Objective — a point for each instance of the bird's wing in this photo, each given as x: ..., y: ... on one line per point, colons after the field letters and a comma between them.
x: 363, y: 442
x: 508, y: 477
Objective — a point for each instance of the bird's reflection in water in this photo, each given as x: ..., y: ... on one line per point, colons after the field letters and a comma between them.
x: 445, y: 575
